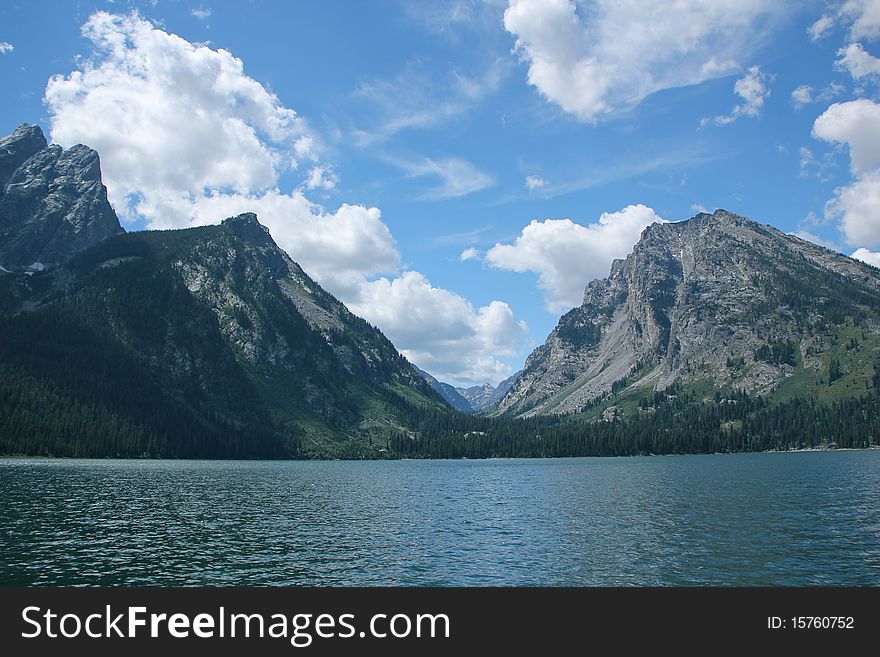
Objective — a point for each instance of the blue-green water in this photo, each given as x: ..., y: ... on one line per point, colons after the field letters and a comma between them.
x: 752, y: 519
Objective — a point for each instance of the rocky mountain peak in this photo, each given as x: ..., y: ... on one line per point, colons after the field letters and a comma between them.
x: 52, y: 201
x: 15, y: 149
x: 688, y: 304
x: 248, y: 228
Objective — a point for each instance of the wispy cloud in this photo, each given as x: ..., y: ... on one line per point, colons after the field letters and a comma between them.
x: 6, y: 47
x: 201, y: 13
x: 632, y: 167
x: 474, y: 236
x: 418, y: 98
x: 457, y: 176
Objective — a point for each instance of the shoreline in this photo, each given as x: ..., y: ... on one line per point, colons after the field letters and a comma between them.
x: 22, y: 457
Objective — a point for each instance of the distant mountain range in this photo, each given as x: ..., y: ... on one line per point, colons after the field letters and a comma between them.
x: 470, y: 400
x: 715, y: 334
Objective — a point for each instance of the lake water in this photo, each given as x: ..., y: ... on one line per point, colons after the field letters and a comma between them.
x: 751, y: 519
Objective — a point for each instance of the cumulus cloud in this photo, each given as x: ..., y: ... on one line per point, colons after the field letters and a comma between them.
x: 857, y: 61
x: 187, y: 138
x: 604, y: 57
x: 469, y: 253
x: 870, y: 257
x: 442, y: 331
x: 753, y: 89
x: 856, y: 205
x: 169, y: 117
x: 6, y: 47
x: 567, y: 255
x: 857, y: 124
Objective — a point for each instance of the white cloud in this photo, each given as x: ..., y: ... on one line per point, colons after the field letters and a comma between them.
x: 6, y: 47
x: 598, y: 59
x: 856, y: 205
x: 820, y: 28
x: 805, y: 94
x: 187, y: 138
x: 534, y: 182
x: 458, y: 177
x: 753, y: 89
x: 857, y: 61
x: 857, y: 124
x: 469, y: 253
x: 566, y: 255
x: 699, y: 207
x: 201, y: 13
x: 442, y: 331
x: 801, y: 96
x: 168, y: 117
x: 864, y: 16
x: 872, y: 258
x: 321, y: 177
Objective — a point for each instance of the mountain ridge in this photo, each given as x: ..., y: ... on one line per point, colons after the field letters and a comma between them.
x: 690, y: 299
x: 206, y: 341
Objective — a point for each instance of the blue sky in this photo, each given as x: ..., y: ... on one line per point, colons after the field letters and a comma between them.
x: 456, y: 172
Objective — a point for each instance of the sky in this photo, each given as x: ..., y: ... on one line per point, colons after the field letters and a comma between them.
x: 456, y: 172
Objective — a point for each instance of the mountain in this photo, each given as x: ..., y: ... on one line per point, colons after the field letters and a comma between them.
x: 52, y: 202
x: 717, y: 302
x: 716, y: 334
x: 204, y: 342
x: 448, y: 392
x: 470, y: 400
x: 485, y: 396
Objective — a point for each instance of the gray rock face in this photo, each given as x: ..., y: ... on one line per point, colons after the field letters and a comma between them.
x: 271, y: 311
x: 693, y: 302
x: 52, y: 202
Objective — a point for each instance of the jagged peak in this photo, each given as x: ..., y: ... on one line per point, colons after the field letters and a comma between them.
x: 720, y: 220
x: 15, y: 149
x: 242, y: 219
x: 246, y: 227
x: 26, y: 133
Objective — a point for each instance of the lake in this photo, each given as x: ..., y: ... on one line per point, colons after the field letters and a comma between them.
x: 809, y: 518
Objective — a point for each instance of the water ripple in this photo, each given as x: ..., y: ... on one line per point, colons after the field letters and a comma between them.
x: 759, y: 519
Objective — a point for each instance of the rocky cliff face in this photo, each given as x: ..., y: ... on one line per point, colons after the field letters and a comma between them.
x: 717, y: 298
x: 52, y: 202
